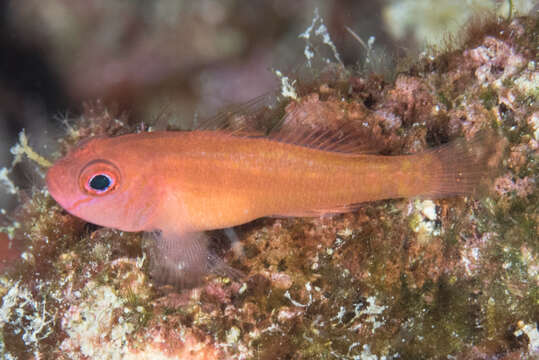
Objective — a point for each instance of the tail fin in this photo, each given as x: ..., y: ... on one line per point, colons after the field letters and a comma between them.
x: 468, y: 167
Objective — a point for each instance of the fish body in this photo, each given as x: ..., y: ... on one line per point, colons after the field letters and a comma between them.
x: 184, y: 183
x: 204, y: 180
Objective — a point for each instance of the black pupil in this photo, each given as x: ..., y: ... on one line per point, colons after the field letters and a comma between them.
x: 100, y: 182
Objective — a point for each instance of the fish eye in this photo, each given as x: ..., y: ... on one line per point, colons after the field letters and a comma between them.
x: 100, y: 182
x: 99, y: 177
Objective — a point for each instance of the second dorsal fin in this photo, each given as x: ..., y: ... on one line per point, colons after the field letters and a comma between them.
x: 319, y: 124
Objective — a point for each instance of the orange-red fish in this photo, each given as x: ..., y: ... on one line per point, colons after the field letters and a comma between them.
x: 184, y: 183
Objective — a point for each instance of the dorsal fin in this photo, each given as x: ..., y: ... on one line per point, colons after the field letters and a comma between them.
x: 346, y: 139
x: 254, y: 116
x: 328, y: 125
x: 310, y: 122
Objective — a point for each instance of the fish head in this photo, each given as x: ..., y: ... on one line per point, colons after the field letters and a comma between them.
x: 95, y: 183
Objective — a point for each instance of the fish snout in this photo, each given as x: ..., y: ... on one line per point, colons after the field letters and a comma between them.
x: 59, y: 184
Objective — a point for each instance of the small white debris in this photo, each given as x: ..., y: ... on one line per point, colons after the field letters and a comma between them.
x: 296, y: 303
x: 533, y: 335
x: 428, y: 210
x: 424, y: 219
x: 140, y: 261
x: 287, y: 87
x: 243, y: 288
x: 366, y: 353
x: 6, y: 182
x: 233, y: 335
x: 27, y: 315
x: 533, y: 122
x: 372, y: 310
x: 318, y: 29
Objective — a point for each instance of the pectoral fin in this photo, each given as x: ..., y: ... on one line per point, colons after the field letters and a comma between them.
x: 183, y: 260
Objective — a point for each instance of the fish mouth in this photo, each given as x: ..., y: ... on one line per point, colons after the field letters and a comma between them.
x: 51, y: 184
